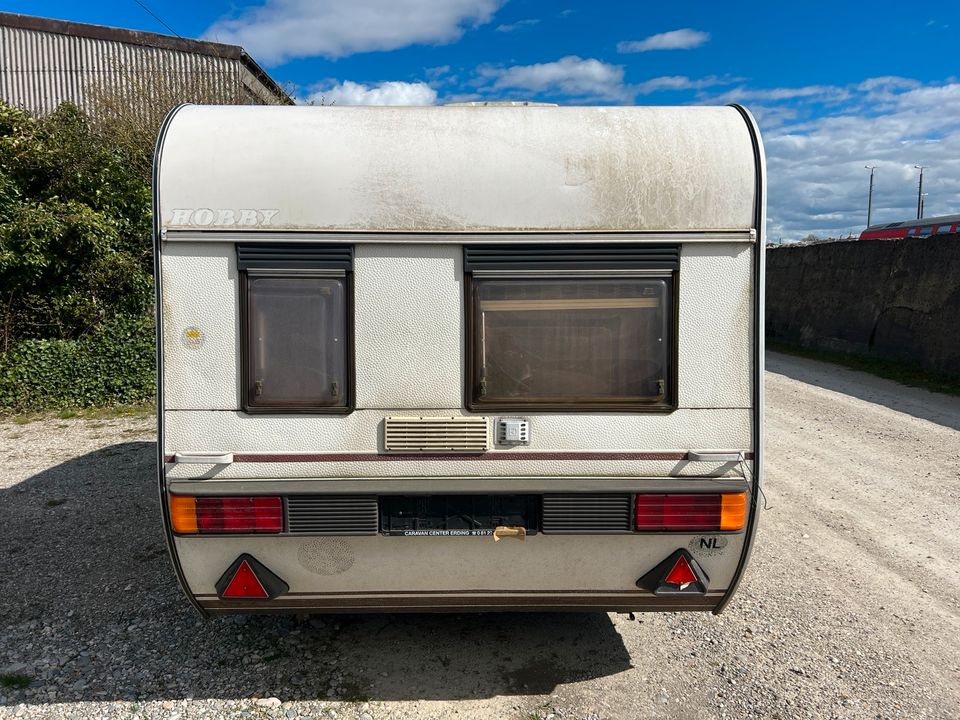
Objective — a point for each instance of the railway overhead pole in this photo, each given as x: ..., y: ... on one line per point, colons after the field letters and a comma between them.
x: 920, y: 193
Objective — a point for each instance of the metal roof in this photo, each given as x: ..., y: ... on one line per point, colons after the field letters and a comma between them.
x: 147, y: 39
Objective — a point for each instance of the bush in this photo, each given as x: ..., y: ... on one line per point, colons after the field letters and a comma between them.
x: 75, y: 229
x: 113, y: 365
x: 76, y: 284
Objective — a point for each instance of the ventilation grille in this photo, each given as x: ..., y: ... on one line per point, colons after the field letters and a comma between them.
x: 436, y: 434
x: 583, y: 513
x: 571, y: 257
x: 294, y: 256
x: 333, y: 514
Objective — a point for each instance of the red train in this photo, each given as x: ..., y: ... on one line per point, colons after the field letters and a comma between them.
x: 913, y: 228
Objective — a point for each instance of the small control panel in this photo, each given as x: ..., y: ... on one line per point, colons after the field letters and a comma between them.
x: 513, y: 431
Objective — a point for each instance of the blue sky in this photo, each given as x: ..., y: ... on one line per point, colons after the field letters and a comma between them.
x: 835, y: 86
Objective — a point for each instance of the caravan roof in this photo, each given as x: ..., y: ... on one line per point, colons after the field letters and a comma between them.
x: 457, y: 169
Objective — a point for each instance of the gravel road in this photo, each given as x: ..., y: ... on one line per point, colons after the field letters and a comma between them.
x: 850, y: 607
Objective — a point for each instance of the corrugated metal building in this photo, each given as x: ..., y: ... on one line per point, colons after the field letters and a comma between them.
x: 45, y: 62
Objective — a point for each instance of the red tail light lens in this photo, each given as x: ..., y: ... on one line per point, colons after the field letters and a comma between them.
x: 693, y: 512
x: 258, y: 514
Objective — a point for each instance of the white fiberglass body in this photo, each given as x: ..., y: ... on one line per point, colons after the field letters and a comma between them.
x: 354, y: 304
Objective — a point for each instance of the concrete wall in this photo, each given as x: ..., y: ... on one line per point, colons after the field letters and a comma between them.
x: 892, y: 298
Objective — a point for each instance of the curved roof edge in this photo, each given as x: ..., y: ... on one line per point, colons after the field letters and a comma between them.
x: 458, y: 169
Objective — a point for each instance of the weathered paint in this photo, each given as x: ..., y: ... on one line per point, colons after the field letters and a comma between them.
x: 457, y: 169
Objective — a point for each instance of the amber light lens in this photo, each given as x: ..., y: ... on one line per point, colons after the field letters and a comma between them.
x: 183, y: 514
x: 225, y: 515
x: 733, y: 511
x: 693, y: 512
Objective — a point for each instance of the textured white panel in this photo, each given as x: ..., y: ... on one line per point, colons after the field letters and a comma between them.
x: 455, y: 169
x: 410, y: 347
x: 541, y: 562
x: 360, y: 432
x: 200, y: 291
x: 409, y: 326
x: 716, y: 325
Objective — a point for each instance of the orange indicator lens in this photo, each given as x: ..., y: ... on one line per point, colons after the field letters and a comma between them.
x: 183, y: 514
x: 733, y: 511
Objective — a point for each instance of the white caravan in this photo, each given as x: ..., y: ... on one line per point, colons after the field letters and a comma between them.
x: 459, y: 358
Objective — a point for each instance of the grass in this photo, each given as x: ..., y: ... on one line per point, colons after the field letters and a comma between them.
x: 91, y: 413
x: 17, y: 681
x: 899, y: 371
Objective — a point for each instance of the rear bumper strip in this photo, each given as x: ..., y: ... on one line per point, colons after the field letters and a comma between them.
x: 458, y: 457
x: 532, y: 600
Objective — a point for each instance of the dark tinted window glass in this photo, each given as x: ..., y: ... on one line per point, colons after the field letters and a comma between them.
x: 572, y: 341
x: 297, y: 342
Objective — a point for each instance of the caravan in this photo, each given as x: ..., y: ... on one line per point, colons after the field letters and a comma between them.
x: 459, y: 358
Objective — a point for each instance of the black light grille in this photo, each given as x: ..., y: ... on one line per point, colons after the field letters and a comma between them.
x: 332, y: 514
x: 584, y: 513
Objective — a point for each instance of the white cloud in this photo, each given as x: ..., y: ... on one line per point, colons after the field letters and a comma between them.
x: 518, y: 25
x: 683, y: 39
x: 888, y: 82
x: 819, y: 138
x: 679, y: 82
x: 283, y: 29
x: 582, y: 78
x: 818, y: 93
x: 386, y: 93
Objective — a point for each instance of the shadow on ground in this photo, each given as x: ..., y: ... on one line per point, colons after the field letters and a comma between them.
x: 92, y: 612
x: 934, y: 407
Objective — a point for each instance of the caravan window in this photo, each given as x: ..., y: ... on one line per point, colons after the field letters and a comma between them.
x: 588, y: 327
x: 583, y: 342
x: 296, y: 323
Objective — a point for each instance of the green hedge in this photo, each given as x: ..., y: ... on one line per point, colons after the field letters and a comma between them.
x: 113, y: 365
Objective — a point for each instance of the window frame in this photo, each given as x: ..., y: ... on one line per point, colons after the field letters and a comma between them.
x: 246, y: 348
x: 471, y: 400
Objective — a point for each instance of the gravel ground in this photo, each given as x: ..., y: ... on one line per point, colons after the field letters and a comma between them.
x: 849, y: 608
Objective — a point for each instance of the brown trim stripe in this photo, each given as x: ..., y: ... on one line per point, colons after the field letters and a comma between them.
x: 505, y: 456
x: 636, y: 602
x: 469, y: 593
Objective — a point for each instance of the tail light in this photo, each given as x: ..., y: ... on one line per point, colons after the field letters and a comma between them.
x: 692, y: 512
x: 204, y: 515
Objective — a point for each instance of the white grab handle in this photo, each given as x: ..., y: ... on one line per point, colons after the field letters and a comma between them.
x: 714, y: 456
x: 203, y: 458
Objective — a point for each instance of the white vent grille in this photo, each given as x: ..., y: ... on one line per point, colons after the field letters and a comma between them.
x: 436, y: 434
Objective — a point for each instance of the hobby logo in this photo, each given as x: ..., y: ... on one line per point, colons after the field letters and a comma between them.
x: 228, y: 217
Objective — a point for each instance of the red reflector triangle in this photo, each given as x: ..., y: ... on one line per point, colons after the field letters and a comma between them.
x: 245, y: 584
x: 681, y: 574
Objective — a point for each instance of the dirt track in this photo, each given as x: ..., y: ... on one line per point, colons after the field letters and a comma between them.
x: 851, y: 605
